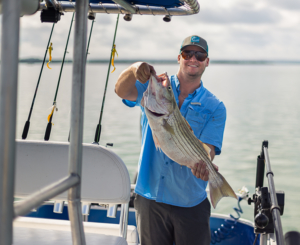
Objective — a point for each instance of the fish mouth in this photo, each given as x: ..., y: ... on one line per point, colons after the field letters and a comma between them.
x: 156, y: 114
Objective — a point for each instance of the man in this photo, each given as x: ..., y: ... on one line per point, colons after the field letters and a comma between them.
x: 171, y: 202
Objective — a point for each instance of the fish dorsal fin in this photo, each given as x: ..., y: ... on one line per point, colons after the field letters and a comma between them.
x: 206, y: 148
x: 156, y: 142
x: 188, y: 125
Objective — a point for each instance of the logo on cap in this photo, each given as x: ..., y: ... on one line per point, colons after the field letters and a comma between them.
x: 195, y: 39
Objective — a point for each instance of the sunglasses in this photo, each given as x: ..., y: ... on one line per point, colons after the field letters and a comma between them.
x: 188, y: 54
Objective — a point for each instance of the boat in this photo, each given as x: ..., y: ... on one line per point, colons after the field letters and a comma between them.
x: 88, y: 184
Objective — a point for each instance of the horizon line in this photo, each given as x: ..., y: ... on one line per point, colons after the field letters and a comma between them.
x: 168, y: 61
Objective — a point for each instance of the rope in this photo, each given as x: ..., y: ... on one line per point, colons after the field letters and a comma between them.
x: 226, y: 229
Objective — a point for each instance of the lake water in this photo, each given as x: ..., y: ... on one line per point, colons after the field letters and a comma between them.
x: 262, y: 103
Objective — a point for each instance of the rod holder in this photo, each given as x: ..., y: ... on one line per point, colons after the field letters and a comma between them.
x: 86, y: 207
x: 58, y: 207
x: 112, y: 211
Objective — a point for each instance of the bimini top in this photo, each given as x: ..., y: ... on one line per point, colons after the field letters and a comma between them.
x: 141, y: 7
x: 158, y: 3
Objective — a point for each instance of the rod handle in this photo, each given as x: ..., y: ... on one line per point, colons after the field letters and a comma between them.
x: 48, y: 131
x: 25, y: 130
x: 97, y: 134
x: 260, y: 172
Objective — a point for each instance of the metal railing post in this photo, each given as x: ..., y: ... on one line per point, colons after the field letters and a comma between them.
x: 275, y: 209
x: 8, y: 106
x: 77, y: 106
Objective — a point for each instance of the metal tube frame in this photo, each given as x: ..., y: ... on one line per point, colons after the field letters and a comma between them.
x: 126, y: 6
x: 190, y: 7
x: 275, y: 209
x: 121, y: 220
x: 124, y: 220
x: 8, y: 107
x: 37, y: 198
x: 77, y: 108
x: 263, y: 240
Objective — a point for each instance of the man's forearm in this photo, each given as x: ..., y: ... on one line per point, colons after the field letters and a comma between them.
x: 125, y: 86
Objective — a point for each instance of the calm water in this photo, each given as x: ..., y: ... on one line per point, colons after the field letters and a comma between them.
x: 262, y: 104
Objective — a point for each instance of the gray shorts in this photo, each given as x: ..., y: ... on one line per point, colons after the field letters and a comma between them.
x: 163, y: 224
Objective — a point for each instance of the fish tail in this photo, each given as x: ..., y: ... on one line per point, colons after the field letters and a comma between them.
x: 220, y: 188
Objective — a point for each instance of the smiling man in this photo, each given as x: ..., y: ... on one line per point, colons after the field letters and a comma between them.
x: 171, y: 202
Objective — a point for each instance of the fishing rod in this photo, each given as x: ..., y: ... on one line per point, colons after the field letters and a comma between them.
x: 98, y: 128
x: 90, y: 17
x: 49, y: 125
x: 27, y: 123
x: 88, y: 45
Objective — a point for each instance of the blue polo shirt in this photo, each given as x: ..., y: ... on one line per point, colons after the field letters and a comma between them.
x: 159, y: 177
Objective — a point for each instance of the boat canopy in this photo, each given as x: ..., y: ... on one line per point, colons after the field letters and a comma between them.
x: 158, y: 3
x: 140, y: 7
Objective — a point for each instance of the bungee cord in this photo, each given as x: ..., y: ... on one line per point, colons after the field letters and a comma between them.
x: 113, y: 51
x: 50, y: 117
x: 27, y: 123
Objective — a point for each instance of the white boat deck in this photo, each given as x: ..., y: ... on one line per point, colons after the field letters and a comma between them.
x: 36, y: 231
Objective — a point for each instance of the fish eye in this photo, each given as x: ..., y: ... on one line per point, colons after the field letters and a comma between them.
x: 169, y: 88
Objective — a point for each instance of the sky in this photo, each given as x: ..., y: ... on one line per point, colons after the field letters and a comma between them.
x: 234, y: 30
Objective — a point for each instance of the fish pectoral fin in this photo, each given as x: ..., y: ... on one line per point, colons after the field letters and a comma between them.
x: 168, y: 127
x: 206, y: 148
x: 219, y: 188
x: 156, y: 142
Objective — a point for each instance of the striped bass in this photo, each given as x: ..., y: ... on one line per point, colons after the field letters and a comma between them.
x: 174, y: 136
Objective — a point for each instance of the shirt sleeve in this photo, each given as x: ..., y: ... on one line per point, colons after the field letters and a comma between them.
x: 213, y: 131
x: 141, y: 88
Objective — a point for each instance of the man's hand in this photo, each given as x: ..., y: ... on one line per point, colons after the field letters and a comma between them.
x: 200, y: 170
x: 125, y: 86
x: 142, y: 71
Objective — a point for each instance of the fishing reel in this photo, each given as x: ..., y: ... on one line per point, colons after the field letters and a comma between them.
x: 50, y: 15
x: 263, y: 220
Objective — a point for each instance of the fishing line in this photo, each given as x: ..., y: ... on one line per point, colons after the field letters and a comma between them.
x: 27, y: 123
x: 49, y: 125
x: 98, y: 128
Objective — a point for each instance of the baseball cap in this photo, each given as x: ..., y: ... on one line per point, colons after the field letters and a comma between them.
x: 194, y: 40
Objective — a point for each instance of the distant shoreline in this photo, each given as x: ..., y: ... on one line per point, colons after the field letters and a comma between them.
x: 225, y: 62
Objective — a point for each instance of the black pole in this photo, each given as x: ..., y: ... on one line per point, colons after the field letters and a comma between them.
x: 27, y: 123
x: 49, y: 125
x: 98, y: 128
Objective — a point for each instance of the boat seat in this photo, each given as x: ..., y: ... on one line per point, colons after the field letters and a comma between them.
x: 105, y: 180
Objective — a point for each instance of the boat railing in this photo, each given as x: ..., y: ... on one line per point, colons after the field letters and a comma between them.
x: 11, y: 10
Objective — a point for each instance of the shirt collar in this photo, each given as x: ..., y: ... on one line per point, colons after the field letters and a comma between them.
x: 177, y: 84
